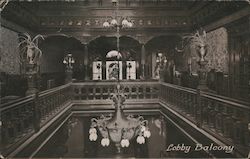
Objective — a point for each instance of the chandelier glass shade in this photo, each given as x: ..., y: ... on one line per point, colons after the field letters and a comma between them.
x: 119, y: 129
x: 122, y: 22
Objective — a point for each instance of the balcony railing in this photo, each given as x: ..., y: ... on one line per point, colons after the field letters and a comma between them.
x: 23, y: 117
x: 102, y: 90
x: 222, y: 117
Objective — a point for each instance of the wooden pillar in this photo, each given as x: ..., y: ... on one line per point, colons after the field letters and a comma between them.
x: 143, y: 59
x: 85, y: 62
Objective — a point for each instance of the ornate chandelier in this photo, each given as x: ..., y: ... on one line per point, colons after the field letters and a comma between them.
x: 120, y: 129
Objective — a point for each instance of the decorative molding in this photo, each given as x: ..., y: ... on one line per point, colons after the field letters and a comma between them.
x: 96, y: 22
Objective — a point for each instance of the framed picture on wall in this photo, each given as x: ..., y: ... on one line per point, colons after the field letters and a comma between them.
x: 112, y: 70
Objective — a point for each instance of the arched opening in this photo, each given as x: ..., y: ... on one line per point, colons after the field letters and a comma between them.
x: 99, y: 62
x: 166, y: 46
x: 54, y: 49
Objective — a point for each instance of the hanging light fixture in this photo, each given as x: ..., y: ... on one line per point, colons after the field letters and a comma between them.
x: 119, y: 128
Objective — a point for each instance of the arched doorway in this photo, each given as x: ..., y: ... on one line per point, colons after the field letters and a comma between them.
x: 99, y: 62
x: 54, y: 49
x: 166, y: 46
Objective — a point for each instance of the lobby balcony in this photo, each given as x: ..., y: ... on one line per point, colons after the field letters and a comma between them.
x: 27, y: 124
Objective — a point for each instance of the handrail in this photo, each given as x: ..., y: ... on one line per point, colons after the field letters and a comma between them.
x: 223, y: 117
x: 22, y: 100
x: 100, y: 83
x: 226, y: 99
x: 220, y: 98
x: 27, y: 115
x: 190, y: 90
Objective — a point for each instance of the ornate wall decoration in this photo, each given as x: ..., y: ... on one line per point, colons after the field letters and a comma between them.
x: 9, y: 52
x: 217, y: 51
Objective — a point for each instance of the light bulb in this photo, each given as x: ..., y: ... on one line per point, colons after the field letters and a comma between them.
x: 105, y: 142
x: 92, y: 137
x: 130, y: 24
x: 92, y: 131
x: 147, y: 134
x: 143, y: 128
x: 125, y: 143
x: 125, y: 22
x: 140, y: 140
x: 106, y: 24
x: 113, y: 22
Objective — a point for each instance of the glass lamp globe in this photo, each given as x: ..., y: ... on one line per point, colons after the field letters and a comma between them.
x: 125, y: 23
x: 106, y: 24
x: 130, y: 24
x: 114, y: 22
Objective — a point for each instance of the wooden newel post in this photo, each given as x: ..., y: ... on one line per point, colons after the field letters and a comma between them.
x: 36, y: 113
x: 198, y: 110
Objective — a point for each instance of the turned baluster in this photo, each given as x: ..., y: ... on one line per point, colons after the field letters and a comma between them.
x: 166, y: 94
x: 189, y: 103
x: 79, y: 93
x: 76, y: 93
x: 204, y: 114
x: 14, y: 121
x: 169, y: 98
x: 208, y: 110
x: 175, y: 98
x: 94, y: 93
x: 23, y: 123
x: 180, y: 101
x: 5, y: 127
x: 101, y: 92
x: 244, y: 128
x: 218, y: 118
x: 224, y: 126
x: 228, y: 121
x: 236, y: 126
x: 144, y: 92
x: 43, y: 110
x: 184, y: 101
x: 87, y: 93
x: 172, y: 96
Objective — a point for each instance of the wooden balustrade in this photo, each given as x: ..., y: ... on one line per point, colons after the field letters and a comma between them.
x: 224, y: 117
x: 220, y: 116
x: 102, y: 90
x: 21, y: 118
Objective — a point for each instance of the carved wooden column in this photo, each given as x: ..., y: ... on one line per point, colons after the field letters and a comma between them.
x: 143, y: 58
x: 85, y: 62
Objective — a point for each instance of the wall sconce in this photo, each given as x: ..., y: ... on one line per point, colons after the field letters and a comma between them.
x: 69, y: 61
x: 161, y: 60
